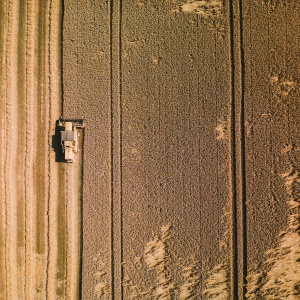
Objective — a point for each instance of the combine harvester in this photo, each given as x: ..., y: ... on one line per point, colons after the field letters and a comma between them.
x: 69, y: 136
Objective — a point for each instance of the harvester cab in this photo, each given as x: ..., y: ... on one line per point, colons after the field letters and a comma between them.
x: 69, y: 137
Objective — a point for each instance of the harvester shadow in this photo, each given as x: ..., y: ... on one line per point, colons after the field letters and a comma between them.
x: 56, y: 144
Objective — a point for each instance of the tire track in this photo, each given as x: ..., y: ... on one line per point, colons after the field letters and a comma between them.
x: 116, y: 149
x: 237, y: 150
x: 234, y: 258
x: 242, y: 157
x: 112, y: 268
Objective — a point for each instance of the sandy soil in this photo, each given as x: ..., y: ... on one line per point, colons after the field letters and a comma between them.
x: 187, y: 186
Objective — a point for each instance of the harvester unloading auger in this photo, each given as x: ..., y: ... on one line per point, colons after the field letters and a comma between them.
x: 69, y: 136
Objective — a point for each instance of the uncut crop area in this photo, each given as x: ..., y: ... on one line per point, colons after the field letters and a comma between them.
x: 187, y: 183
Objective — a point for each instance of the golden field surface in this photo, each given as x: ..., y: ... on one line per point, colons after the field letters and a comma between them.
x: 188, y: 182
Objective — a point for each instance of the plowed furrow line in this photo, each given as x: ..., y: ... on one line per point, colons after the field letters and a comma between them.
x: 11, y: 119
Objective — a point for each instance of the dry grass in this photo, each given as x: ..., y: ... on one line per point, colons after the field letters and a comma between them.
x: 218, y: 283
x: 282, y: 86
x: 222, y: 129
x: 206, y: 8
x: 192, y: 278
x: 159, y: 259
x: 102, y: 289
x: 279, y: 276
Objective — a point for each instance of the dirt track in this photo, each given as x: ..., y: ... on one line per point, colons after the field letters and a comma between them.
x: 191, y: 149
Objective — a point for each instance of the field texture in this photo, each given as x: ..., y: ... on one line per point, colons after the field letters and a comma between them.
x: 188, y: 185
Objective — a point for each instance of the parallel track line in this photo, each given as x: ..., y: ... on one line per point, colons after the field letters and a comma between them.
x: 48, y: 249
x: 116, y: 148
x: 111, y: 154
x: 120, y: 124
x: 237, y: 150
x: 242, y: 146
x: 234, y: 257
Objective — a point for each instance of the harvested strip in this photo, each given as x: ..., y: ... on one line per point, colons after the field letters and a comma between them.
x: 73, y: 229
x: 41, y: 180
x: 33, y: 184
x: 57, y: 258
x: 11, y: 118
x: 30, y: 115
